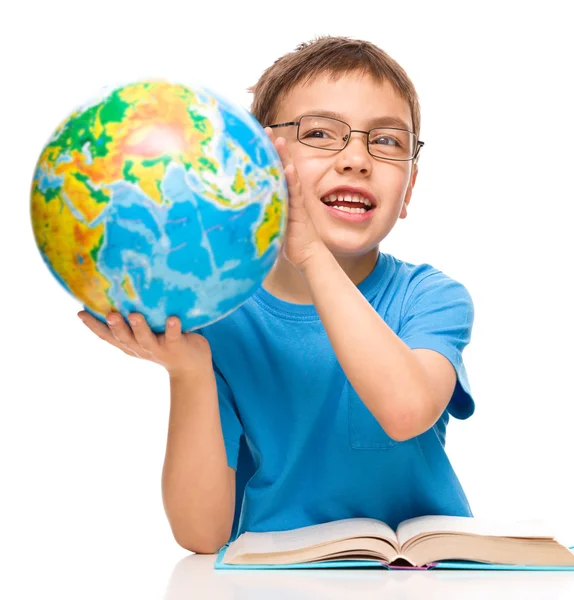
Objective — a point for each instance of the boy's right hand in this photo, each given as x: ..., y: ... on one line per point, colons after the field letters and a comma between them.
x: 179, y: 353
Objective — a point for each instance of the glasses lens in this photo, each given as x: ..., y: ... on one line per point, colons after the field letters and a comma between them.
x: 392, y: 143
x: 323, y: 132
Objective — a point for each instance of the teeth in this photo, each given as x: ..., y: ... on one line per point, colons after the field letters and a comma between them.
x: 347, y: 198
x: 350, y: 210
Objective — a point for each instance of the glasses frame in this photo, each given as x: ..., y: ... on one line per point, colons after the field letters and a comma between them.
x: 419, y: 143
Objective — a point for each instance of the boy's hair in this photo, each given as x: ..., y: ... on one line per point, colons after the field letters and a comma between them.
x: 336, y: 56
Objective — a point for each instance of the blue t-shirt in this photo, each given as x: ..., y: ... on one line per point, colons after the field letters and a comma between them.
x: 306, y: 448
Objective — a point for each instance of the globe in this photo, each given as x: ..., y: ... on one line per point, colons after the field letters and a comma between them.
x: 159, y: 198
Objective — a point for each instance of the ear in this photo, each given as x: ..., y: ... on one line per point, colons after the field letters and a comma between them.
x: 409, y: 192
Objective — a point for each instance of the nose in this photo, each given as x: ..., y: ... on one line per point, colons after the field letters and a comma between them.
x: 355, y: 156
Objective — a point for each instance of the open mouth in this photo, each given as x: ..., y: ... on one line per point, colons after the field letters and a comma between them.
x: 351, y: 203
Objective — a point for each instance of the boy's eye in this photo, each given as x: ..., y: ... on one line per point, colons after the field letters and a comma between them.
x: 385, y: 140
x: 317, y: 133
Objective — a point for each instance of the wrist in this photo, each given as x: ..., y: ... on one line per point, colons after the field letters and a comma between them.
x: 317, y: 257
x: 185, y: 374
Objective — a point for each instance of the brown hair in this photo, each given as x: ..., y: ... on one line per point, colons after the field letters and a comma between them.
x: 337, y: 56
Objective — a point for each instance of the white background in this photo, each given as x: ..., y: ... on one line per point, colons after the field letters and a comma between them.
x: 83, y: 427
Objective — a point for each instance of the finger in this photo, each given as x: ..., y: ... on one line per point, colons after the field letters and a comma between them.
x: 142, y: 333
x: 122, y: 332
x: 280, y: 144
x: 172, y: 330
x: 296, y: 199
x: 291, y: 175
x: 283, y: 151
x: 102, y: 331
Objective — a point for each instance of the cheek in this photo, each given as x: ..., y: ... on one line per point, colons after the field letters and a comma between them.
x: 307, y: 177
x: 310, y: 171
x: 394, y: 181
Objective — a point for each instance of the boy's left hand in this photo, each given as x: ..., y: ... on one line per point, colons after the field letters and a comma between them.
x: 301, y: 238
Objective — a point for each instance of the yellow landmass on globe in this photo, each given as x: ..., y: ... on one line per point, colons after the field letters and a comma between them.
x: 70, y: 246
x: 149, y: 178
x: 128, y: 287
x: 239, y: 186
x: 85, y: 198
x: 270, y: 226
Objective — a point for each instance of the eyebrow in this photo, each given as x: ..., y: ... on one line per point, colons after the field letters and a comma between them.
x: 388, y: 121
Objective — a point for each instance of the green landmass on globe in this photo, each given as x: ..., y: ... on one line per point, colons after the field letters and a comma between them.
x: 161, y: 199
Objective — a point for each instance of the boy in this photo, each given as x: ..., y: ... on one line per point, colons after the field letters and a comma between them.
x: 330, y: 389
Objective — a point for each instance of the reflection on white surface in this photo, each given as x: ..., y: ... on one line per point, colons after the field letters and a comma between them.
x: 195, y: 577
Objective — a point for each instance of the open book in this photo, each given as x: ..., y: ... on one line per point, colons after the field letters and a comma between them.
x: 417, y: 542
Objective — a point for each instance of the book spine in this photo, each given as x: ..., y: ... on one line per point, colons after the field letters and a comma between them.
x: 405, y: 568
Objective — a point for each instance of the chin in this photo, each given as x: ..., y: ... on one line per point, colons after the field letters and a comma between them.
x: 349, y: 250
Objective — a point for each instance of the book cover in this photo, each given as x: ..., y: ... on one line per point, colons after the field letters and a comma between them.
x: 346, y: 564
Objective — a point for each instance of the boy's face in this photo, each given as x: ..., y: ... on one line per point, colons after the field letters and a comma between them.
x: 360, y: 101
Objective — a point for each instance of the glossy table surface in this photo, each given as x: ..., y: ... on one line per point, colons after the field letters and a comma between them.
x: 195, y: 577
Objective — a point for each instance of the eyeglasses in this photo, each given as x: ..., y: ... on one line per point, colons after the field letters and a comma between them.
x: 326, y: 133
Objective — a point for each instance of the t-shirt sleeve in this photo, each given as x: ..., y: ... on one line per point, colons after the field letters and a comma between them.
x: 438, y: 314
x: 230, y: 422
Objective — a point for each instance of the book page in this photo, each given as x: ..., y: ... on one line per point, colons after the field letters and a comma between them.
x: 533, y: 528
x: 313, y: 535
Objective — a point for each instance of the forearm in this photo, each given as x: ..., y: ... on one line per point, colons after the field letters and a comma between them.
x: 196, y: 486
x: 379, y: 365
